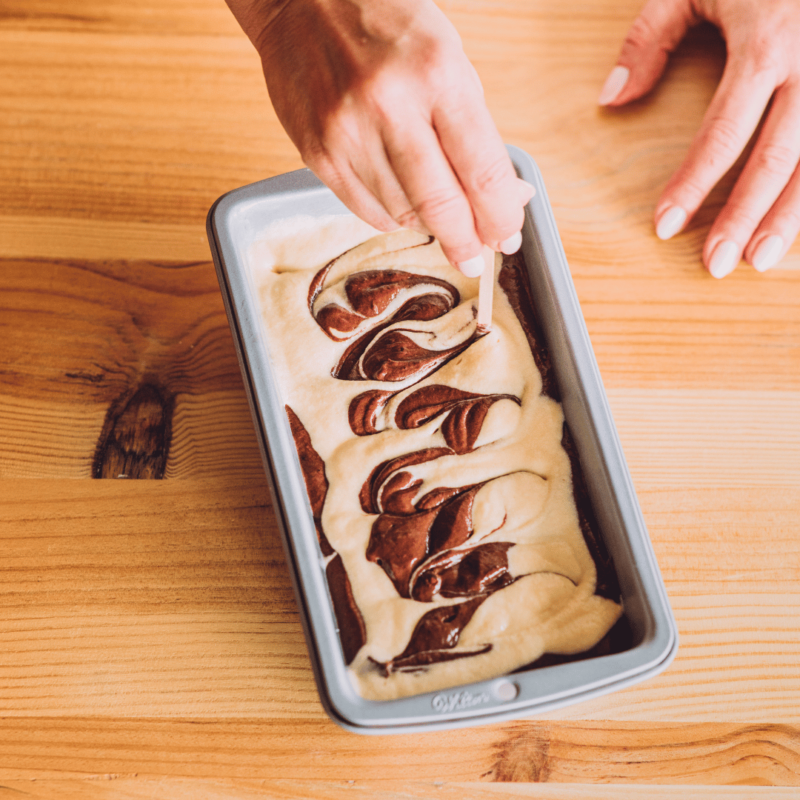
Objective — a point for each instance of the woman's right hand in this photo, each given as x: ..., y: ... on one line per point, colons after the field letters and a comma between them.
x: 384, y: 106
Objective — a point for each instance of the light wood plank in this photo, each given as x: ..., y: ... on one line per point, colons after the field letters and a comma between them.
x: 101, y: 129
x: 709, y: 437
x: 177, y: 789
x: 76, y: 238
x: 188, y: 17
x: 670, y: 439
x: 523, y: 757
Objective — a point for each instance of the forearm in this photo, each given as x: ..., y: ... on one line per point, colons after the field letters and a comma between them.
x: 357, y: 20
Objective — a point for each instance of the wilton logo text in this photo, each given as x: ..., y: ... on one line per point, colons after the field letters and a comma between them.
x: 458, y: 701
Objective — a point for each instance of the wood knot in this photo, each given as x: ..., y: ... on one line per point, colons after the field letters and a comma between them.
x: 523, y: 756
x: 135, y: 439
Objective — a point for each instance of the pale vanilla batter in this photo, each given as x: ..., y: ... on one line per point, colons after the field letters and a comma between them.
x: 494, y: 447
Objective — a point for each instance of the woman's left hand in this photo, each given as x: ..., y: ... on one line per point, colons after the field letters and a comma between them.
x: 762, y: 216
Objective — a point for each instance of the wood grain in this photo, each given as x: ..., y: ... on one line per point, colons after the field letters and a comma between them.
x: 153, y: 584
x: 103, y: 330
x: 186, y: 17
x: 150, y: 645
x: 56, y: 237
x: 312, y: 751
x: 107, y: 786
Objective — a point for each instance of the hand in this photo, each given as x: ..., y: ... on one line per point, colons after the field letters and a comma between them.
x: 762, y: 216
x: 385, y: 108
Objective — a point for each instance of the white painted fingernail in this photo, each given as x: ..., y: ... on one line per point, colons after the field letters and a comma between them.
x: 614, y: 84
x: 768, y: 253
x: 512, y: 244
x: 472, y: 268
x: 672, y: 220
x: 724, y: 259
x: 530, y: 189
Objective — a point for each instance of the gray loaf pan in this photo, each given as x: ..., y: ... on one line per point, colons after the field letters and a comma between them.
x: 234, y: 223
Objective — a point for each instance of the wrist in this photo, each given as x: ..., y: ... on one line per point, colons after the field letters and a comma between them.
x: 257, y: 17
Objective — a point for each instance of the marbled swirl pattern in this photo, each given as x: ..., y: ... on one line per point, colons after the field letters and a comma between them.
x: 437, y: 481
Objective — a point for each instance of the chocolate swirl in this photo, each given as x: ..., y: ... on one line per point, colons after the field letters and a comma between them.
x: 313, y: 469
x: 352, y: 631
x: 370, y: 293
x: 479, y: 570
x: 317, y: 282
x: 377, y: 353
x: 388, y: 489
x: 401, y: 541
x: 434, y: 638
x: 395, y: 356
x: 465, y: 412
x: 419, y: 544
x: 364, y: 410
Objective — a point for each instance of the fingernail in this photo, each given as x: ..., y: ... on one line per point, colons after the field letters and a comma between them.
x: 614, y: 84
x: 471, y: 268
x: 671, y: 221
x: 512, y: 244
x: 724, y: 259
x: 529, y: 189
x: 768, y: 253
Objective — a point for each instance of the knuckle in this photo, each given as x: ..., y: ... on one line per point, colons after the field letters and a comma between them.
x: 325, y: 168
x: 775, y: 159
x: 789, y: 217
x: 446, y: 71
x: 691, y: 193
x: 763, y: 57
x: 339, y: 127
x: 439, y: 207
x: 316, y: 158
x: 722, y: 141
x: 379, y: 90
x: 324, y: 142
x: 497, y: 230
x: 407, y: 218
x: 460, y: 251
x: 492, y: 177
x: 742, y: 219
x: 443, y: 78
x: 642, y: 34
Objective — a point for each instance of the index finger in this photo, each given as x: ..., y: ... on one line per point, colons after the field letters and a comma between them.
x: 475, y: 150
x: 434, y: 192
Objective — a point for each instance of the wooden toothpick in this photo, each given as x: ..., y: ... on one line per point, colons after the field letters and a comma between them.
x: 486, y: 292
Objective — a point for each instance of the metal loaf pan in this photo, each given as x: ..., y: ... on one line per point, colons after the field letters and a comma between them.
x: 234, y: 223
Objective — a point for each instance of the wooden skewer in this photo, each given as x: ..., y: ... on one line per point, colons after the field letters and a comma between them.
x: 486, y: 292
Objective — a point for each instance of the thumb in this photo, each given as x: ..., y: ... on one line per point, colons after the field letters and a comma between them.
x: 656, y: 32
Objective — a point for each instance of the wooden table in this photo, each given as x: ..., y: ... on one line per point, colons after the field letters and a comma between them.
x: 149, y: 640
